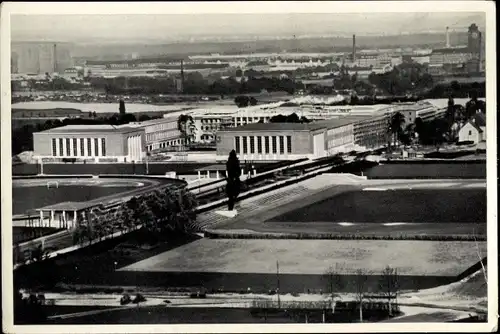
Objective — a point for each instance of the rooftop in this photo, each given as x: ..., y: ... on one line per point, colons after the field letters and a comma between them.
x: 451, y: 50
x: 91, y: 128
x: 68, y: 206
x: 329, y: 124
x: 152, y: 122
x: 480, y: 119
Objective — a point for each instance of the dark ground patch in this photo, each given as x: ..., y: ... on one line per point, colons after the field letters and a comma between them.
x: 27, y: 198
x: 417, y: 205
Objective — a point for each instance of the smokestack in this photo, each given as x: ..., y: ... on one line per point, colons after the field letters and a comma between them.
x: 182, y: 76
x: 353, y: 48
x: 447, y: 37
x: 55, y: 59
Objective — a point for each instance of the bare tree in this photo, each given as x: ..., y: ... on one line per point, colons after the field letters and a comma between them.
x: 360, y: 288
x: 389, y: 285
x: 333, y: 278
x: 480, y: 256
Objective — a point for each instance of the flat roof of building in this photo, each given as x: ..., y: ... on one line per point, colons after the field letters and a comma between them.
x: 152, y: 122
x: 68, y: 206
x: 313, y: 126
x: 90, y: 129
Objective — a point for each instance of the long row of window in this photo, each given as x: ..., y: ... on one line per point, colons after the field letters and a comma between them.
x: 78, y: 147
x: 261, y: 144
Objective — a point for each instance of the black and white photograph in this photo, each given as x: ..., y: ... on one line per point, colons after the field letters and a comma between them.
x: 249, y: 167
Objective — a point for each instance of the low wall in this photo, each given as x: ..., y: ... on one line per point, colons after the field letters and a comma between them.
x: 228, y: 234
x: 107, y: 168
x: 428, y: 170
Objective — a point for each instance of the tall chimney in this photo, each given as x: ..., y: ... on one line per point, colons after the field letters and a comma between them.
x: 353, y: 48
x: 182, y: 76
x: 447, y: 37
x: 54, y: 65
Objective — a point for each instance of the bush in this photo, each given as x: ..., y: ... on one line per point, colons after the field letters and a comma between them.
x: 466, y: 142
x: 125, y: 299
x: 198, y: 295
x: 139, y: 299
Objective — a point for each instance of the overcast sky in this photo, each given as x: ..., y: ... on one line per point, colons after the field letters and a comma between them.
x: 133, y: 28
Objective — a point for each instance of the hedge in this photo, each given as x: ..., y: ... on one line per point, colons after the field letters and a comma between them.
x: 336, y: 236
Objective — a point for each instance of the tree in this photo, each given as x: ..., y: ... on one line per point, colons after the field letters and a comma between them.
x: 450, y: 111
x: 39, y: 254
x: 419, y: 127
x: 304, y: 119
x: 455, y: 86
x: 242, y: 101
x: 253, y: 101
x: 122, y: 107
x: 396, y: 126
x: 144, y: 117
x: 389, y: 285
x: 333, y: 278
x: 360, y: 280
x: 185, y: 125
x: 233, y: 171
x: 438, y: 128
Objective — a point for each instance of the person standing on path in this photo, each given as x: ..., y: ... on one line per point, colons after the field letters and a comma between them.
x: 233, y: 172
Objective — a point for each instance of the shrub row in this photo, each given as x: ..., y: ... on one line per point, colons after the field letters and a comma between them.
x: 335, y: 236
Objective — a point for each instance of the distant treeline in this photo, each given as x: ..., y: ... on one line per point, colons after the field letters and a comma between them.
x: 194, y: 83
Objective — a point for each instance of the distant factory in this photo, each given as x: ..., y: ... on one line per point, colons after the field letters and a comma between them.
x: 40, y: 57
x: 461, y: 59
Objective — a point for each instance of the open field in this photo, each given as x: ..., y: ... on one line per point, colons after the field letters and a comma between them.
x: 306, y: 257
x: 402, y: 205
x: 374, y: 208
x: 429, y: 170
x: 29, y: 194
x: 173, y: 315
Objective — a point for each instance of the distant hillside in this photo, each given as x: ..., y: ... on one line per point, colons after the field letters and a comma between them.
x: 317, y: 44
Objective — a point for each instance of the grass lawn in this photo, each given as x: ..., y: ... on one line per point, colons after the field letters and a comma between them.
x: 416, y: 205
x: 314, y: 257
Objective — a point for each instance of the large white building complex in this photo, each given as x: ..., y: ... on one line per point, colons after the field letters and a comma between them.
x: 286, y: 141
x: 231, y: 127
x: 159, y: 133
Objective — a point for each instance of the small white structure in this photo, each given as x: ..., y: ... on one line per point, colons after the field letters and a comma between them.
x: 474, y: 130
x: 471, y: 132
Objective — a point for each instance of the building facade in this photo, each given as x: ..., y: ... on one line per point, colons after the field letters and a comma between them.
x: 470, y: 132
x: 89, y: 143
x: 369, y: 131
x: 207, y: 125
x: 286, y: 141
x: 160, y: 133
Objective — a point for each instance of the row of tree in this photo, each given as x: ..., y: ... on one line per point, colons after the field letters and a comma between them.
x: 156, y: 214
x: 388, y: 285
x: 292, y: 118
x: 436, y: 131
x: 403, y: 79
x: 194, y: 83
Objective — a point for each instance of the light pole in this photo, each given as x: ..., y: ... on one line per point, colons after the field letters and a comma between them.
x: 278, y: 283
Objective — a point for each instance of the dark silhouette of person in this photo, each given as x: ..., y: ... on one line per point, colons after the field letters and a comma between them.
x: 233, y: 171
